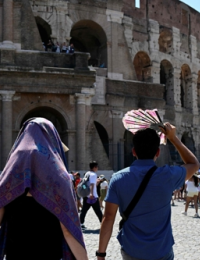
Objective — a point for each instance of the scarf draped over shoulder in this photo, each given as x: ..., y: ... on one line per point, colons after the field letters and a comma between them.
x: 37, y: 161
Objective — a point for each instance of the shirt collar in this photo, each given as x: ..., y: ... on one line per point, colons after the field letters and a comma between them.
x: 148, y: 162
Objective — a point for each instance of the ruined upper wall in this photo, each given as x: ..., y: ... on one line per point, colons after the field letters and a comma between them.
x: 169, y: 14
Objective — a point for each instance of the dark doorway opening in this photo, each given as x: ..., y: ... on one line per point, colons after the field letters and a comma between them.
x: 103, y: 136
x: 88, y: 36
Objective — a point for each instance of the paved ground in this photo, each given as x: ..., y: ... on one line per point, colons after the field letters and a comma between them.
x: 186, y: 230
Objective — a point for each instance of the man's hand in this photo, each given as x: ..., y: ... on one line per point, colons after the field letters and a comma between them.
x: 169, y: 131
x: 107, y: 227
x: 91, y: 196
x: 191, y: 163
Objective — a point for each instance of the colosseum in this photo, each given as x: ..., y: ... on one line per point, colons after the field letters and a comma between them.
x: 129, y: 54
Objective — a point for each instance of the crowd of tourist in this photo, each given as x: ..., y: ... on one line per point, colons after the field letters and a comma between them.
x: 101, y: 186
x: 58, y: 48
x: 39, y: 200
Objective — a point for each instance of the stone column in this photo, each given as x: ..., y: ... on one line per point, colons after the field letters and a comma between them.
x: 177, y: 89
x: 116, y: 121
x: 8, y: 23
x: 194, y: 99
x: 72, y: 150
x: 115, y: 18
x: 155, y: 72
x: 193, y: 48
x: 80, y: 131
x: 6, y: 124
x: 154, y: 33
x: 176, y: 42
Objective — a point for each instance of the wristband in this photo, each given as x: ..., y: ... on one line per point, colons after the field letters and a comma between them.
x: 100, y: 254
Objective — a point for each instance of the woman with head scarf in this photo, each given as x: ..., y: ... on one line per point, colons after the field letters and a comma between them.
x: 38, y: 214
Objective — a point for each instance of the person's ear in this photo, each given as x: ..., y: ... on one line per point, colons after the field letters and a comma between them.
x: 133, y: 152
x: 158, y: 153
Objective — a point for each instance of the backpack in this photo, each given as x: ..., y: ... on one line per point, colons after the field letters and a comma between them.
x: 83, y: 188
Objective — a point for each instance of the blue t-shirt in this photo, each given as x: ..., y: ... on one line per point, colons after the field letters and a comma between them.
x: 147, y: 234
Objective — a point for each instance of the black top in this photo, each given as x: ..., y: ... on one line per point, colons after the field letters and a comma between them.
x: 33, y: 232
x: 98, y: 190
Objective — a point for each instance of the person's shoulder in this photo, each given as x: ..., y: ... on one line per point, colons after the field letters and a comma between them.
x: 117, y: 176
x: 172, y: 170
x: 90, y: 173
x: 168, y: 167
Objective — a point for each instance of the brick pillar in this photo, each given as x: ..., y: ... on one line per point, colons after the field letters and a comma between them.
x: 80, y: 131
x: 6, y: 124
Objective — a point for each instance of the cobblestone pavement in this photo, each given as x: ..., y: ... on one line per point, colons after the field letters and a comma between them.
x: 186, y: 231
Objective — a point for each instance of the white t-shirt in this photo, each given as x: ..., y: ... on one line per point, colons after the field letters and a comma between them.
x: 191, y: 187
x: 104, y: 185
x: 93, y: 180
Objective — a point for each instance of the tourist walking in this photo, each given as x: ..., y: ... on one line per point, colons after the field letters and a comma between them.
x: 76, y: 183
x: 92, y: 200
x: 147, y: 233
x: 192, y: 194
x: 103, y: 189
x: 38, y: 214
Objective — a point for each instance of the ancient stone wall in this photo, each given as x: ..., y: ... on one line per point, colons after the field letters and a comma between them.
x: 146, y: 56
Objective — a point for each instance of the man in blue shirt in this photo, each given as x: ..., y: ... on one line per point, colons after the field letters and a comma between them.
x: 147, y: 234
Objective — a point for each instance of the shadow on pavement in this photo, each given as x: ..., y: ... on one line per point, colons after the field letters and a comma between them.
x: 91, y: 231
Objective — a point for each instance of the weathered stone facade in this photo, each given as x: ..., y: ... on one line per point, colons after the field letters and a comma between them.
x: 147, y: 57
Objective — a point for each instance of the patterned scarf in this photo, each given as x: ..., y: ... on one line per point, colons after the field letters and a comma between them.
x: 37, y: 162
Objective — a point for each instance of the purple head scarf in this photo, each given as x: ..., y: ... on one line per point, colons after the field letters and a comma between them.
x: 37, y: 162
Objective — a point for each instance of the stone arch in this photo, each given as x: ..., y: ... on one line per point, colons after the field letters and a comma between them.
x: 89, y: 36
x: 142, y: 64
x: 186, y: 86
x: 40, y: 106
x: 44, y: 29
x: 166, y: 78
x: 99, y: 141
x: 49, y: 113
x: 128, y: 145
x: 198, y: 89
x: 165, y: 41
x: 52, y: 115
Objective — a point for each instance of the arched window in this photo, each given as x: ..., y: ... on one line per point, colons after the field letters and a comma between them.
x: 142, y: 64
x: 88, y: 36
x: 44, y: 29
x: 165, y: 41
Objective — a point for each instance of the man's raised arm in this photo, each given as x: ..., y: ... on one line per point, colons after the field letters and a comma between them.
x: 191, y: 163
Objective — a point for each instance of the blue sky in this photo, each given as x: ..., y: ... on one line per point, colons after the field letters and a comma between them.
x: 193, y: 3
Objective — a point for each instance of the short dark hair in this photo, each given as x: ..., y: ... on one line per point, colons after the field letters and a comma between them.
x: 146, y: 143
x: 93, y: 164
